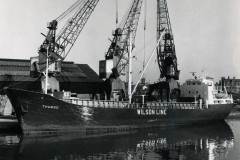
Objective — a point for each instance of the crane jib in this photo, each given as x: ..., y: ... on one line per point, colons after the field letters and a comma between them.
x: 118, y: 50
x: 57, y: 47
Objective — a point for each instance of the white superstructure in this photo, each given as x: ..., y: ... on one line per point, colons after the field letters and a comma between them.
x: 204, y: 90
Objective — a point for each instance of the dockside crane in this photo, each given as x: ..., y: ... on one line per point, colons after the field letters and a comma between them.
x: 168, y: 87
x: 166, y: 54
x: 116, y: 60
x: 56, y: 47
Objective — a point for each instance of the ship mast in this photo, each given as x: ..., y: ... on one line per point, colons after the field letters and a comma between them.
x: 46, y: 74
x: 130, y: 70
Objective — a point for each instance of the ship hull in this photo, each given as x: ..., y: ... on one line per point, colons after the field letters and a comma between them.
x: 40, y: 114
x: 8, y: 123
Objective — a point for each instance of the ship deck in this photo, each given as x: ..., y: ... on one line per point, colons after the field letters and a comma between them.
x: 125, y: 104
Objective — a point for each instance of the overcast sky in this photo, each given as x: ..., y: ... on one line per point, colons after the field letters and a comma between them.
x: 206, y: 32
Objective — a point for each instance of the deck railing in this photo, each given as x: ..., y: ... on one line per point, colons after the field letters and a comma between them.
x: 124, y: 104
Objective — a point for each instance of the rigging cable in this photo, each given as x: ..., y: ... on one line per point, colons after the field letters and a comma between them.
x: 144, y: 30
x: 116, y: 13
x: 148, y: 61
x: 125, y: 17
x: 70, y: 9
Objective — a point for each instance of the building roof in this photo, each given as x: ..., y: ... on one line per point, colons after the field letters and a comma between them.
x: 234, y: 79
x: 19, y: 70
x: 71, y: 75
x: 14, y: 67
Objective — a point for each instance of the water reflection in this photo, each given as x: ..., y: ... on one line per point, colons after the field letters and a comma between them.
x: 208, y: 142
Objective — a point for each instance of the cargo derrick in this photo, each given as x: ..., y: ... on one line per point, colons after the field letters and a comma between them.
x: 113, y: 68
x: 166, y: 55
x: 55, y: 48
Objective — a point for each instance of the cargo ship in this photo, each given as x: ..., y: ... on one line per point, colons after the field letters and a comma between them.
x: 62, y: 112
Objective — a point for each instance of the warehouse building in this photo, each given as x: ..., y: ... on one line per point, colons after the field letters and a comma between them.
x: 78, y: 78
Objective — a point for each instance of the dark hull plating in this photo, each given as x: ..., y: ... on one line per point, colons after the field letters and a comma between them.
x: 43, y: 114
x: 8, y: 123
